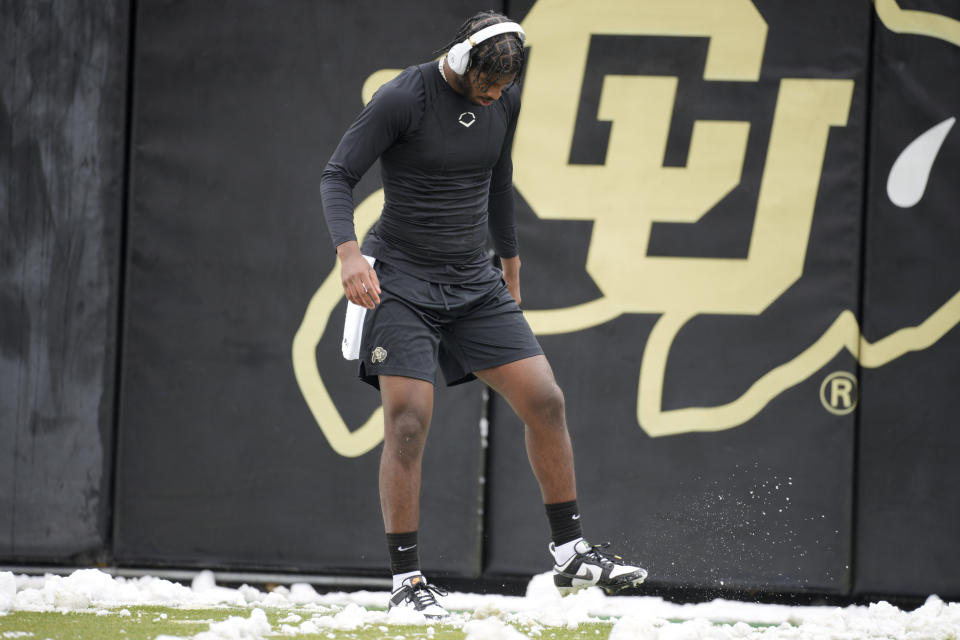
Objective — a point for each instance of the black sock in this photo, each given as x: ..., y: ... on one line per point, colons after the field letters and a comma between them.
x: 564, y: 520
x: 404, y: 556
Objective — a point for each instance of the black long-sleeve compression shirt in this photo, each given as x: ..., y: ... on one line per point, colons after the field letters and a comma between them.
x: 447, y: 177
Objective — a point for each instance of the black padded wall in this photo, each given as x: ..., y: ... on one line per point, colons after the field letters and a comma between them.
x: 738, y: 233
x: 246, y: 440
x: 690, y: 226
x: 909, y: 509
x: 62, y: 125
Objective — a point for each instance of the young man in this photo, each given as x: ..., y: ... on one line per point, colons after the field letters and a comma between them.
x: 443, y: 132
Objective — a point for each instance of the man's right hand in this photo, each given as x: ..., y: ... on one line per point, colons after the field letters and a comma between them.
x: 360, y: 282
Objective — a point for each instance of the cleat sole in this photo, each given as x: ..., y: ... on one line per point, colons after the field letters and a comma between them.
x: 626, y: 584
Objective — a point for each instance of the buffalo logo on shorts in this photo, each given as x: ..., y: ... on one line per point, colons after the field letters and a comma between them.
x: 378, y: 355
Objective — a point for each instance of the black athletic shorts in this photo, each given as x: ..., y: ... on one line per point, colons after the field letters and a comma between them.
x: 464, y: 327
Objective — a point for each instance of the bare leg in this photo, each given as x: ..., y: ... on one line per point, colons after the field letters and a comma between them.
x: 407, y: 408
x: 529, y: 386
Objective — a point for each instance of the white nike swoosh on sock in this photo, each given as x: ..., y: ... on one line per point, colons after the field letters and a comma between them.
x: 406, y: 548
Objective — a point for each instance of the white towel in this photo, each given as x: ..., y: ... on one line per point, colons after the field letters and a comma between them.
x: 353, y: 326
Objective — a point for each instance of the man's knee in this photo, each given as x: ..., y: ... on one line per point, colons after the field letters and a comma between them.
x: 548, y: 405
x: 406, y: 429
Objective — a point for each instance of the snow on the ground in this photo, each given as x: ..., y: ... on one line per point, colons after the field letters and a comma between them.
x: 481, y: 617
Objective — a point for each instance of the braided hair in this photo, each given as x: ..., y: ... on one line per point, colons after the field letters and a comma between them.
x: 495, y: 57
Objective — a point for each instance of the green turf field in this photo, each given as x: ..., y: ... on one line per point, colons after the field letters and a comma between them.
x: 147, y: 623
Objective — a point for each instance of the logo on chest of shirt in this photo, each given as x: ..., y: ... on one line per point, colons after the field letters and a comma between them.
x: 467, y: 118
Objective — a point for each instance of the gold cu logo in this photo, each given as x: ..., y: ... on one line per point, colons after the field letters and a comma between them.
x: 838, y: 393
x: 632, y: 190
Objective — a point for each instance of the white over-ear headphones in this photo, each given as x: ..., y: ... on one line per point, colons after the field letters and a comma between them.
x: 459, y: 55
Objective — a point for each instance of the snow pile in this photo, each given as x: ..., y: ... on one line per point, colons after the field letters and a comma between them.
x: 86, y: 588
x: 491, y: 629
x: 8, y: 591
x: 237, y: 628
x: 481, y: 617
x: 935, y: 620
x: 234, y: 628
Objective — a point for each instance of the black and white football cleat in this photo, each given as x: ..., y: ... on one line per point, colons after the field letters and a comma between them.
x: 591, y: 567
x: 417, y: 595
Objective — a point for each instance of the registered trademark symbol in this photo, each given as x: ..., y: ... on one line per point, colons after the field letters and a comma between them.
x: 839, y: 393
